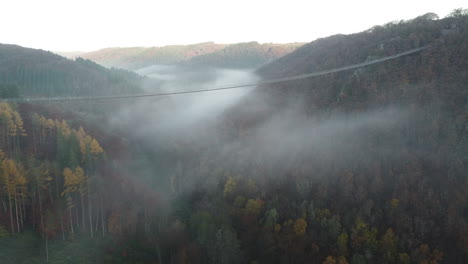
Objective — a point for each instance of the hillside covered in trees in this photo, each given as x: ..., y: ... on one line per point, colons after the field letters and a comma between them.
x: 357, y: 167
x: 42, y: 73
x: 209, y: 54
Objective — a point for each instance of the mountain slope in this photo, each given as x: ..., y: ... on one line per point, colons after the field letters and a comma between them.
x: 138, y: 57
x: 384, y: 144
x: 244, y: 55
x: 442, y: 61
x: 42, y: 73
x: 241, y: 55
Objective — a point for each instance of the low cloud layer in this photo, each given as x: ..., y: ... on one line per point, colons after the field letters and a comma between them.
x: 185, y: 135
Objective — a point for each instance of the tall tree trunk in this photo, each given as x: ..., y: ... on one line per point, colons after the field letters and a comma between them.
x: 21, y: 212
x: 96, y: 221
x: 40, y: 208
x: 90, y: 210
x: 47, y: 247
x: 17, y: 144
x: 42, y: 224
x: 61, y: 227
x: 4, y: 205
x: 34, y: 143
x: 102, y: 214
x: 33, y: 209
x: 11, y: 211
x: 50, y: 195
x: 82, y: 211
x: 16, y: 210
x: 71, y: 218
x: 77, y: 218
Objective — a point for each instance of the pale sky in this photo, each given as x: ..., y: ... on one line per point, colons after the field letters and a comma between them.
x: 84, y: 25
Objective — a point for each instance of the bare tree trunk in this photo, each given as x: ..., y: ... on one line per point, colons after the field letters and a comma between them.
x: 16, y: 210
x: 23, y: 206
x: 90, y: 210
x: 21, y: 212
x: 22, y: 201
x: 71, y: 219
x: 77, y: 218
x: 33, y: 209
x: 96, y: 221
x: 61, y: 227
x: 102, y: 214
x: 11, y: 211
x: 17, y: 144
x: 4, y: 204
x: 42, y: 224
x: 47, y: 247
x: 40, y: 208
x: 34, y: 143
x: 82, y: 211
x: 50, y: 194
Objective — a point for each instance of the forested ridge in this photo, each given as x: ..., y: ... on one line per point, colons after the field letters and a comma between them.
x: 362, y: 166
x: 43, y: 73
x: 209, y: 54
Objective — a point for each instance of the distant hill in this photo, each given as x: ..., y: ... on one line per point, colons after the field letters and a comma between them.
x: 241, y: 55
x: 42, y: 73
x: 443, y: 63
x: 69, y: 54
x: 244, y: 55
x: 138, y: 57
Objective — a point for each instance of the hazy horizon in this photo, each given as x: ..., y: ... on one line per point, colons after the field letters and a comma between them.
x: 63, y: 27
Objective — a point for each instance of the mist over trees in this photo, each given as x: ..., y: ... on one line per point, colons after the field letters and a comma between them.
x: 362, y: 166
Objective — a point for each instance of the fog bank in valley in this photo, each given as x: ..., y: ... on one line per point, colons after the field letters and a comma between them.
x: 186, y: 137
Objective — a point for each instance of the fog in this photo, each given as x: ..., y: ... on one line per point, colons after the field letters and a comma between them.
x: 188, y: 136
x: 182, y: 115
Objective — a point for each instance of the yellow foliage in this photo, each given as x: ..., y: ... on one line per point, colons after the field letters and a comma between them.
x: 342, y: 260
x: 288, y: 222
x: 404, y: 258
x: 95, y: 148
x: 3, y: 232
x: 230, y: 186
x: 63, y: 127
x: 254, y: 206
x: 389, y: 239
x: 88, y: 145
x: 300, y: 226
x: 73, y: 180
x: 13, y: 178
x: 12, y: 120
x: 329, y: 260
x: 394, y: 203
x: 277, y: 228
x: 79, y: 175
x: 429, y: 257
x: 50, y: 123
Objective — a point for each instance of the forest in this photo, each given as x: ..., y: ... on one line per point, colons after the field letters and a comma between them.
x: 42, y: 73
x: 362, y: 166
x: 209, y: 54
